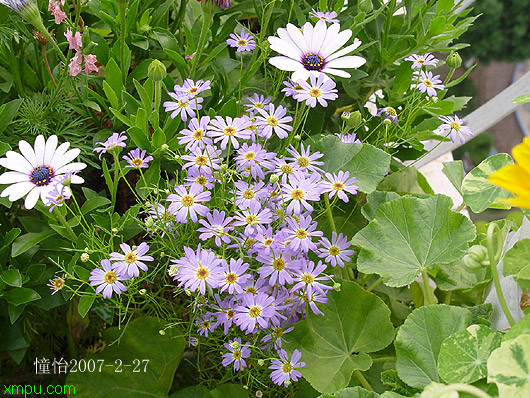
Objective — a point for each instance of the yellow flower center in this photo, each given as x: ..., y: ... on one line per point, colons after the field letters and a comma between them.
x: 278, y: 264
x: 455, y: 126
x: 58, y: 283
x: 130, y: 258
x: 428, y: 83
x: 110, y: 277
x: 286, y: 169
x: 183, y: 103
x: 254, y: 311
x: 201, y: 160
x: 301, y: 234
x: 231, y: 278
x: 273, y: 122
x: 242, y: 43
x: 201, y: 180
x: 268, y: 242
x: 230, y: 314
x: 308, y: 278
x: 258, y: 105
x: 391, y: 111
x: 236, y: 354
x: 277, y: 333
x: 187, y: 201
x: 334, y: 250
x: 229, y: 131
x: 202, y: 273
x: 251, y: 219
x: 297, y: 194
x: 193, y: 90
x: 338, y: 186
x: 287, y: 368
x: 303, y: 161
x: 250, y: 155
x: 315, y: 92
x: 248, y: 194
x: 250, y: 289
x: 198, y: 135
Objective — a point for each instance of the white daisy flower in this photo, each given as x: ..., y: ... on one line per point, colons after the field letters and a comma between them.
x: 314, y: 50
x: 36, y: 171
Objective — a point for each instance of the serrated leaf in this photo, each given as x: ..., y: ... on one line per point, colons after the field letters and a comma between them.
x: 478, y: 193
x: 366, y: 163
x: 356, y: 322
x: 454, y: 171
x: 419, y: 340
x: 509, y: 368
x: 464, y: 355
x: 410, y: 234
x: 376, y: 199
x: 516, y: 262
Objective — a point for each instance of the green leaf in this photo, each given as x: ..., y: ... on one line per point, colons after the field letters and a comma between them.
x: 15, y: 311
x: 139, y: 138
x: 454, y: 171
x: 114, y: 78
x: 443, y: 6
x: 12, y: 277
x: 352, y: 392
x: 94, y: 203
x: 522, y: 99
x: 20, y: 295
x: 521, y: 327
x: 356, y: 322
x: 460, y: 79
x: 391, y: 380
x: 363, y: 161
x: 25, y: 242
x: 419, y: 340
x: 140, y: 341
x: 509, y: 367
x: 376, y: 199
x: 111, y: 95
x: 85, y: 303
x: 410, y: 234
x: 229, y: 108
x: 403, y: 79
x: 8, y: 112
x: 463, y: 355
x: 516, y: 262
x: 478, y: 193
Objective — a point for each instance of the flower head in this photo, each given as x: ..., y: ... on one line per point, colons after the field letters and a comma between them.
x: 325, y: 16
x: 388, y: 113
x: 136, y: 159
x: 128, y: 262
x: 114, y: 141
x: 55, y: 7
x: 274, y: 121
x: 338, y: 184
x: 255, y: 311
x: 36, y: 171
x: 319, y: 90
x: 284, y: 369
x: 234, y: 276
x: 349, y: 138
x: 188, y: 204
x: 107, y: 279
x: 337, y: 251
x: 57, y: 196
x: 456, y: 127
x: 191, y: 89
x: 313, y: 50
x: 243, y: 42
x: 196, y: 135
x: 56, y: 284
x: 236, y: 355
x: 230, y: 130
x: 215, y: 225
x: 257, y: 102
x: 428, y: 82
x: 183, y: 106
x: 291, y: 88
x: 419, y: 61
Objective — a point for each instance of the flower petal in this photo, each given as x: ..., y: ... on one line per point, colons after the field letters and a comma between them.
x: 285, y: 47
x: 285, y: 63
x: 39, y: 147
x: 67, y: 158
x: 49, y: 150
x: 32, y: 197
x: 329, y: 46
x: 16, y: 162
x: 59, y: 152
x: 349, y: 61
x: 297, y: 37
x: 344, y: 51
x: 16, y: 191
x: 28, y: 153
x: 12, y: 177
x: 336, y: 72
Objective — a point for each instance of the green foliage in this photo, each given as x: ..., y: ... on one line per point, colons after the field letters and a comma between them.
x: 516, y: 263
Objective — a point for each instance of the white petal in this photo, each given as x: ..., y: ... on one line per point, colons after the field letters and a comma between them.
x: 28, y: 152
x: 16, y: 191
x: 15, y: 161
x: 331, y: 36
x: 319, y: 35
x: 284, y: 36
x: 330, y: 46
x: 297, y: 37
x: 11, y: 177
x: 336, y: 72
x: 44, y: 191
x: 300, y: 74
x: 32, y: 198
x: 75, y: 166
x: 344, y: 51
x: 77, y: 180
x: 39, y: 147
x: 59, y: 152
x: 349, y: 61
x: 66, y: 158
x: 284, y: 47
x: 49, y: 150
x: 285, y: 63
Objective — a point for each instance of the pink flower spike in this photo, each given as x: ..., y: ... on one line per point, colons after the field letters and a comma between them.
x: 90, y: 63
x: 55, y: 7
x: 74, y: 40
x: 75, y: 64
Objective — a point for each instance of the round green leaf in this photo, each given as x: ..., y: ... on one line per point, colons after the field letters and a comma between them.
x: 12, y: 277
x: 478, y: 193
x: 408, y: 234
x: 352, y: 392
x: 463, y: 355
x: 20, y: 295
x: 521, y: 327
x: 516, y: 262
x: 356, y: 322
x: 419, y: 340
x: 509, y: 368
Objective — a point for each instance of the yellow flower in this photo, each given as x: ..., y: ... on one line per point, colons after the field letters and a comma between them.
x: 516, y: 177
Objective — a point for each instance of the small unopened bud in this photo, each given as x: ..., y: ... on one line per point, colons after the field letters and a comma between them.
x: 223, y: 168
x: 156, y: 191
x: 261, y: 362
x: 365, y: 5
x: 173, y: 270
x: 87, y: 250
x: 478, y: 252
x: 157, y: 70
x: 387, y: 122
x: 193, y: 341
x: 85, y: 257
x: 274, y: 179
x: 470, y: 264
x: 245, y: 387
x: 453, y: 60
x: 259, y: 394
x: 297, y: 137
x: 287, y: 383
x: 234, y: 345
x: 162, y: 332
x: 142, y: 292
x: 337, y: 286
x: 164, y: 147
x: 114, y: 230
x: 352, y: 119
x: 149, y: 222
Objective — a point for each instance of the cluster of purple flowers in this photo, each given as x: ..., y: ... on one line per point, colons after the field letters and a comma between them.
x: 253, y: 269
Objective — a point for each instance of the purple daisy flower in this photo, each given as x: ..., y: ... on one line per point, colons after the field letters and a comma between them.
x: 203, y: 180
x: 230, y: 130
x: 215, y: 225
x: 273, y: 121
x: 205, y: 325
x: 248, y: 193
x: 234, y: 276
x: 277, y: 268
x: 455, y: 126
x: 190, y: 89
x: 237, y: 354
x: 306, y: 160
x: 198, y: 270
x: 203, y: 160
x: 255, y: 310
x: 319, y: 90
x: 251, y: 159
x: 107, y: 279
x: 243, y: 41
x: 349, y: 138
x: 257, y: 102
x: 308, y: 278
x: 418, y: 61
x: 301, y: 232
x: 253, y: 217
x: 225, y: 313
x: 284, y: 369
x: 388, y: 113
x: 188, y: 204
x: 196, y: 135
x: 298, y: 192
x: 285, y: 170
x: 137, y: 159
x: 128, y: 262
x: 335, y: 252
x: 428, y: 82
x: 112, y: 142
x: 338, y: 183
x: 325, y: 16
x: 276, y: 337
x: 56, y: 284
x: 291, y: 88
x: 183, y: 106
x: 265, y: 241
x: 57, y: 196
x: 311, y: 302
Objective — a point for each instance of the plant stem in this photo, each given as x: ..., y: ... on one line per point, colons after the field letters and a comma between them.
x: 382, y: 359
x: 158, y: 98
x: 494, y: 259
x: 122, y: 6
x: 374, y: 285
x: 427, y: 293
x: 206, y: 22
x: 65, y: 224
x: 47, y: 65
x: 116, y: 179
x: 449, y: 76
x: 330, y: 215
x: 363, y: 380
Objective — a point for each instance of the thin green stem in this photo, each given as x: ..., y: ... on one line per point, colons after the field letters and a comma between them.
x: 427, y: 289
x: 362, y: 380
x: 206, y: 22
x: 158, y: 99
x: 329, y: 214
x: 116, y: 179
x: 494, y: 259
x: 122, y: 6
x: 449, y: 76
x: 65, y: 224
x: 374, y: 285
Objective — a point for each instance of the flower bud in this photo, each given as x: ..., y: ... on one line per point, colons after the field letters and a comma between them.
x: 173, y: 270
x: 453, y: 60
x: 387, y: 122
x: 297, y: 137
x: 188, y: 292
x: 162, y: 332
x: 177, y: 157
x: 164, y: 147
x: 142, y: 292
x: 470, y: 264
x: 478, y: 252
x: 157, y: 71
x: 223, y: 168
x: 245, y: 387
x: 234, y: 345
x: 261, y: 362
x: 85, y: 257
x: 336, y: 287
x: 149, y: 222
x: 352, y: 119
x: 287, y: 383
x: 114, y: 230
x: 365, y: 5
x: 274, y: 179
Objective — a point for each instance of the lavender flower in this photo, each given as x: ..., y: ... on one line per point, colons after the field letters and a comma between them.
x: 257, y: 102
x: 308, y: 278
x: 298, y: 192
x: 188, y: 204
x: 455, y: 125
x: 418, y: 61
x: 252, y: 217
x: 277, y: 268
x: 183, y: 106
x: 388, y: 113
x: 349, y: 138
x: 203, y: 160
x: 291, y: 88
x: 237, y: 354
x: 137, y: 159
x: 274, y: 121
x: 196, y: 135
x: 190, y: 89
x: 56, y: 284
x: 251, y: 159
x: 255, y: 311
x: 57, y: 196
x: 319, y: 90
x: 335, y: 252
x: 249, y: 193
x: 115, y: 140
x: 300, y: 232
x: 325, y: 16
x: 107, y: 279
x: 131, y: 260
x: 305, y: 159
x: 230, y: 130
x: 205, y: 325
x: 338, y: 183
x: 243, y: 42
x: 284, y: 369
x: 234, y: 276
x: 276, y: 337
x: 430, y: 83
x: 215, y: 225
